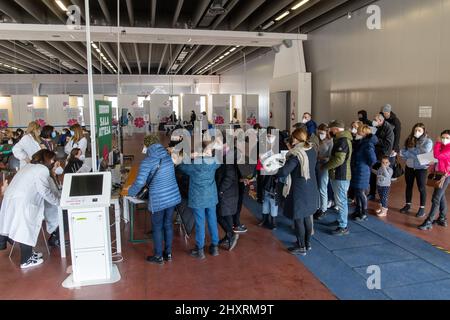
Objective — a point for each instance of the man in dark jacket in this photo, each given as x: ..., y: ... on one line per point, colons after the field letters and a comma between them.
x: 310, y: 123
x: 384, y: 147
x: 339, y: 167
x: 362, y: 116
x: 392, y: 118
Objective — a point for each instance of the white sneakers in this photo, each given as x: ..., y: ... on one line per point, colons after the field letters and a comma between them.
x: 32, y: 261
x: 382, y: 212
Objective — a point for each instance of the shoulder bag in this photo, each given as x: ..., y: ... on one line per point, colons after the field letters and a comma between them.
x: 436, y: 179
x: 143, y: 194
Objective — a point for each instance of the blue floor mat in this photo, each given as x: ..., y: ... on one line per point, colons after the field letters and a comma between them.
x: 410, y: 267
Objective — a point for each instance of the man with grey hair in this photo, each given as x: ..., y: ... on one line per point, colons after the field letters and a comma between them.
x: 384, y: 147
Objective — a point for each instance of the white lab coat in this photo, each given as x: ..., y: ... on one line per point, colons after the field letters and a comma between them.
x: 82, y: 145
x: 25, y: 148
x: 51, y: 211
x: 22, y: 209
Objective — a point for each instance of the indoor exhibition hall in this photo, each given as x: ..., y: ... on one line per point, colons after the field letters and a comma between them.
x: 224, y: 157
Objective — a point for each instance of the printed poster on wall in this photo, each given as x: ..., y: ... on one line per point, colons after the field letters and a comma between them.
x: 4, y: 119
x: 74, y: 116
x: 40, y: 116
x: 251, y: 115
x: 220, y: 115
x: 104, y: 127
x: 139, y: 121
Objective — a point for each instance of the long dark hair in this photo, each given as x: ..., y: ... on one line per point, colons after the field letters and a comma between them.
x: 44, y: 157
x: 412, y: 140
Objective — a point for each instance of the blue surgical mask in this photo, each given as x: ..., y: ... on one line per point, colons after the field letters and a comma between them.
x: 53, y: 135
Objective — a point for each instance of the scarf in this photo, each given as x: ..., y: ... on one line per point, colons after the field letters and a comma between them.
x: 298, y: 151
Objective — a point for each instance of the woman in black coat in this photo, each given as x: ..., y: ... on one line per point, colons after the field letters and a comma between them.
x: 227, y: 179
x: 303, y: 198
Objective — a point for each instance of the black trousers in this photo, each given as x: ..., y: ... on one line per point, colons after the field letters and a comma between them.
x: 361, y: 199
x: 237, y: 215
x: 303, y: 231
x: 25, y: 252
x: 226, y: 223
x: 373, y: 184
x: 420, y: 175
x: 259, y: 187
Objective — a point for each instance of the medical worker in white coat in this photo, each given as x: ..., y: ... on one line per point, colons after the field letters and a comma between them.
x: 77, y: 141
x: 22, y: 210
x: 29, y: 144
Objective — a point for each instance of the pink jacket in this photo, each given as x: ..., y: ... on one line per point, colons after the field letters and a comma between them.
x: 442, y: 154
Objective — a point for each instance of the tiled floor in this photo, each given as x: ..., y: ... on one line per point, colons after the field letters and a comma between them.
x: 259, y: 267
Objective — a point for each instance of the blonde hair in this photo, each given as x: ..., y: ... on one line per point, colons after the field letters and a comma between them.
x: 364, y: 130
x: 302, y: 136
x: 358, y: 124
x: 34, y: 129
x: 76, y: 128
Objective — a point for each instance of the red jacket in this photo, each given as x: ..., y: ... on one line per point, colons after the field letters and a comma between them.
x: 442, y: 154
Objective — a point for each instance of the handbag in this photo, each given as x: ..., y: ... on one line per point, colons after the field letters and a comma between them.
x: 143, y: 194
x: 436, y: 179
x: 398, y: 169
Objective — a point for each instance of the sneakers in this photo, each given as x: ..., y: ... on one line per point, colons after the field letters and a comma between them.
x: 441, y: 222
x: 37, y: 255
x: 308, y: 247
x: 420, y: 213
x: 198, y: 253
x: 405, y: 209
x: 155, y: 260
x: 214, y: 250
x: 240, y: 229
x: 319, y: 215
x: 272, y: 223
x: 32, y: 262
x: 233, y: 242
x: 330, y: 204
x: 361, y: 217
x: 297, y: 251
x: 427, y: 225
x: 371, y: 197
x: 340, y: 232
x: 383, y: 212
x: 167, y: 257
x: 379, y: 210
x: 225, y: 243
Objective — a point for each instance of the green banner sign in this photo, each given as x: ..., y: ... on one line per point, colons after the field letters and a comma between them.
x: 104, y: 127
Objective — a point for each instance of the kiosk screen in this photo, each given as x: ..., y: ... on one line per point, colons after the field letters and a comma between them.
x: 86, y: 185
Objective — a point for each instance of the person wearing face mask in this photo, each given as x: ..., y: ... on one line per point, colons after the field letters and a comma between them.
x: 47, y: 135
x: 29, y: 144
x: 64, y: 137
x: 22, y: 210
x: 310, y: 124
x: 394, y: 121
x: 416, y: 144
x: 439, y: 200
x: 354, y: 127
x: 363, y: 159
x: 158, y: 171
x: 384, y: 147
x: 77, y: 141
x: 324, y: 153
x: 340, y: 173
x: 301, y: 191
x: 362, y: 116
x: 74, y: 163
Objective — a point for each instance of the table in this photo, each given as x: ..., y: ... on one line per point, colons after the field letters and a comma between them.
x: 132, y: 174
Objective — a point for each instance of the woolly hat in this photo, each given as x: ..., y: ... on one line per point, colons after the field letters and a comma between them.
x: 387, y: 108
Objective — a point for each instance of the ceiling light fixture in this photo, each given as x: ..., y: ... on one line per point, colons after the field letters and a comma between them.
x: 61, y: 5
x: 226, y: 53
x: 268, y: 25
x: 282, y: 16
x: 232, y: 49
x: 298, y: 5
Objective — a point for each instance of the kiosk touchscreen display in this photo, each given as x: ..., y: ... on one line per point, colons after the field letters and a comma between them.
x: 86, y: 185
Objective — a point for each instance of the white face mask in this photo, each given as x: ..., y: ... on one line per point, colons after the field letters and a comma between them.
x: 82, y: 157
x: 59, y: 171
x: 305, y: 120
x: 418, y: 134
x: 354, y: 130
x: 322, y: 136
x: 445, y: 141
x: 358, y: 137
x: 144, y: 150
x: 375, y: 123
x: 10, y: 141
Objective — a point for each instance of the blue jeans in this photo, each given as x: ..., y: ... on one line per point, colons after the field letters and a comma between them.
x: 323, y: 189
x: 269, y: 205
x: 210, y: 214
x: 439, y: 202
x: 340, y: 189
x: 162, y: 222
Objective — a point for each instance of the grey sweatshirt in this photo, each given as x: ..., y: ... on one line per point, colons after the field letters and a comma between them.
x: 384, y: 176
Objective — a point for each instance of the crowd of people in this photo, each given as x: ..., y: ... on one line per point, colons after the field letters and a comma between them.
x: 34, y: 192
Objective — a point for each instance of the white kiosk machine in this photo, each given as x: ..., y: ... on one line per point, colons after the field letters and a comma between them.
x: 87, y: 198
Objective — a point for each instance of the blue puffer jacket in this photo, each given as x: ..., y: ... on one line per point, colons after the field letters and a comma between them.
x: 423, y: 145
x: 163, y: 191
x: 363, y: 158
x: 202, y: 183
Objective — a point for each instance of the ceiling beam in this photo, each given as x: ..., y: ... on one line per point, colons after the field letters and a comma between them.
x: 201, y: 8
x: 174, y: 57
x: 55, y: 10
x: 220, y: 18
x: 269, y: 10
x: 250, y: 57
x: 23, y: 57
x: 122, y: 54
x: 28, y: 54
x: 20, y: 65
x: 198, y: 58
x: 80, y: 4
x: 248, y: 8
x: 174, y: 22
x: 150, y: 48
x: 162, y: 58
x: 80, y: 49
x: 105, y: 11
x: 15, y: 14
x: 36, y: 55
x: 112, y: 56
x: 32, y: 8
x: 130, y: 12
x: 58, y: 54
x: 177, y: 12
x: 7, y: 55
x: 153, y: 14
x: 68, y: 53
x: 136, y: 51
x: 233, y: 57
x: 218, y: 52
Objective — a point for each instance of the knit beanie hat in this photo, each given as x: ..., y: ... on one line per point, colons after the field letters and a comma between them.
x: 151, y: 139
x: 387, y: 108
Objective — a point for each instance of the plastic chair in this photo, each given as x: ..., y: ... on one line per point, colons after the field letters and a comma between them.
x: 45, y: 241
